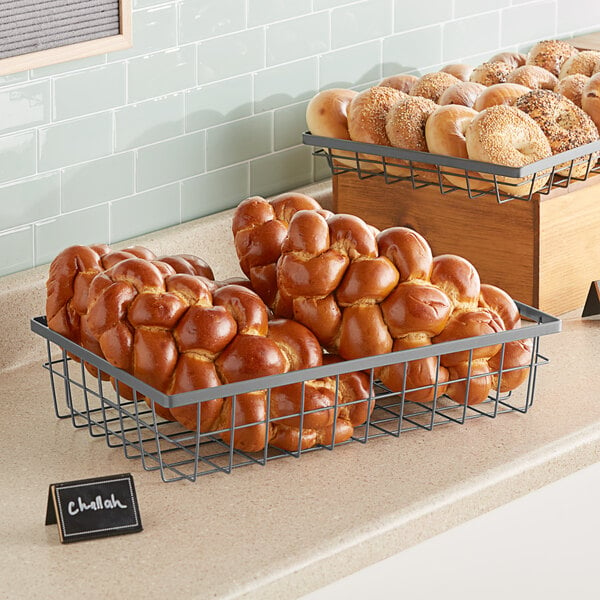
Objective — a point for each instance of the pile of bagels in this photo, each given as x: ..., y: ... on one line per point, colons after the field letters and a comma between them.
x: 513, y: 110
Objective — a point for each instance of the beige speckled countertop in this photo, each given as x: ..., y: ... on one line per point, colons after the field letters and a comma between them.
x: 292, y: 526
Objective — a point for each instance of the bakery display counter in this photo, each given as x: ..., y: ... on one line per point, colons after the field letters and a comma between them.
x: 283, y: 528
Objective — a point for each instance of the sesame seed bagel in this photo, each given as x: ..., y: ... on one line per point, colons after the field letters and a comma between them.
x: 433, y: 85
x: 551, y: 55
x: 405, y: 127
x: 406, y: 121
x: 505, y: 135
x: 367, y: 115
x: 490, y: 73
x: 572, y: 87
x: 585, y: 62
x: 565, y: 125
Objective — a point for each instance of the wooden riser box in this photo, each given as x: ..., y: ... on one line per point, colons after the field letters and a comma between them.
x: 544, y: 252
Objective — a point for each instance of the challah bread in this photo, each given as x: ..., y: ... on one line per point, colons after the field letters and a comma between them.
x: 364, y: 293
x: 259, y: 228
x: 70, y: 276
x: 551, y: 55
x: 565, y: 125
x: 180, y: 332
x: 505, y: 135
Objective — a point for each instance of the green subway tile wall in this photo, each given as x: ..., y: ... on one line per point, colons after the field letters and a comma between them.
x: 208, y: 106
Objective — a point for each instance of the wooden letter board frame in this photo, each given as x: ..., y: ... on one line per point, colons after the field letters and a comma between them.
x: 42, y: 58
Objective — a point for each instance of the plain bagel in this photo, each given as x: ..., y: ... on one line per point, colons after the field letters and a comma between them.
x: 461, y: 71
x: 464, y: 93
x: 403, y: 82
x: 499, y: 93
x: 533, y: 77
x: 515, y: 59
x: 445, y: 134
x: 590, y: 99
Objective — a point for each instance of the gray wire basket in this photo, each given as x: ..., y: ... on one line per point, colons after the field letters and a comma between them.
x: 425, y: 169
x: 94, y: 404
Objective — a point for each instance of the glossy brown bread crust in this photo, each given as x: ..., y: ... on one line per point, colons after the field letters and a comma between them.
x: 363, y: 292
x: 179, y: 332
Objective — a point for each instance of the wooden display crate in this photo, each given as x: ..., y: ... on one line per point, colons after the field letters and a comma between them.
x: 544, y: 252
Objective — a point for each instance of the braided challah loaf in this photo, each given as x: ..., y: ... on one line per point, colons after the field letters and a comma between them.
x: 71, y: 274
x: 363, y: 292
x: 180, y: 332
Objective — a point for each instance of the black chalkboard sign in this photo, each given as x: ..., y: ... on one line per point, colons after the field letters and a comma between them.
x: 592, y: 303
x: 93, y: 508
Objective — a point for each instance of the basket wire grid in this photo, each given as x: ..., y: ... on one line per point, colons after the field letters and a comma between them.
x: 96, y: 403
x: 425, y: 169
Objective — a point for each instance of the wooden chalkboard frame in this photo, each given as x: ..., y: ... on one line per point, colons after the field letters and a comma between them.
x: 34, y: 60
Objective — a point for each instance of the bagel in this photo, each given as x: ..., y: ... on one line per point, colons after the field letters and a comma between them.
x: 433, y: 85
x: 327, y: 113
x: 445, y: 134
x: 490, y: 73
x: 565, y: 125
x: 405, y: 128
x: 459, y: 70
x: 499, y: 93
x: 533, y: 77
x: 403, y: 82
x: 572, y: 87
x: 367, y: 115
x: 551, y: 55
x: 586, y: 62
x: 464, y: 93
x: 327, y: 116
x: 590, y: 99
x: 505, y: 135
x: 515, y: 59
